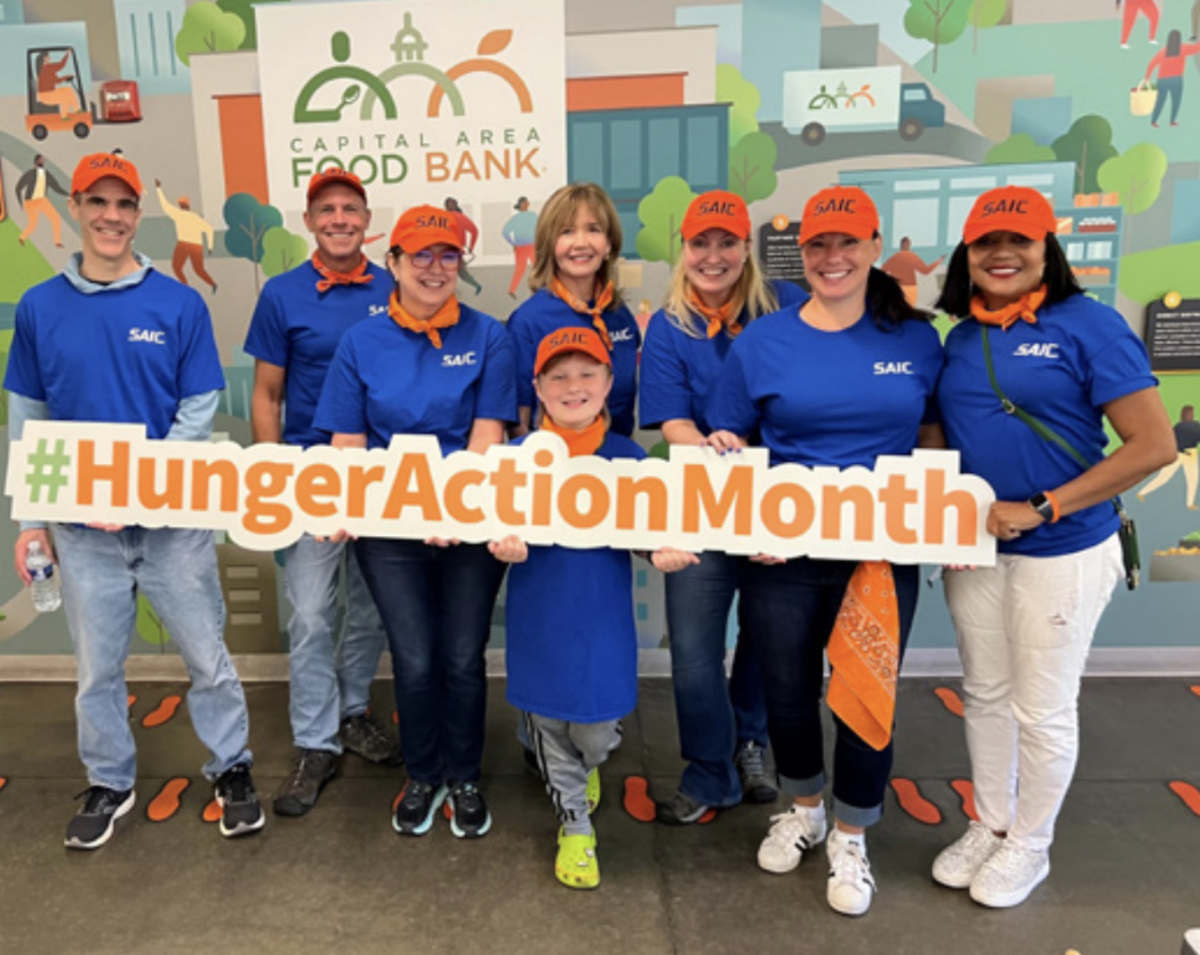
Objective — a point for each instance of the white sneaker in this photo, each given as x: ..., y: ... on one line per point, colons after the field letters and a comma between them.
x: 1007, y: 878
x: 851, y: 886
x: 791, y: 834
x: 957, y: 864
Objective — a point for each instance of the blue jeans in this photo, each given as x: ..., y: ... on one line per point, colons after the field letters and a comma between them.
x: 714, y: 714
x: 328, y: 682
x: 176, y: 570
x: 1171, y: 86
x: 436, y: 604
x: 790, y: 610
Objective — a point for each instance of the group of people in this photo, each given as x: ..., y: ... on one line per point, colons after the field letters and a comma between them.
x: 832, y: 377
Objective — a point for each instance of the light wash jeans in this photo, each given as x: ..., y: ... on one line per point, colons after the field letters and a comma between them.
x: 330, y: 679
x: 176, y: 570
x: 1024, y: 630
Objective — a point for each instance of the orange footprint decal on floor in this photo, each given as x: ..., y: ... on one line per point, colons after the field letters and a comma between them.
x: 950, y: 700
x: 913, y: 803
x: 212, y: 812
x: 163, y: 806
x: 131, y: 701
x: 637, y: 799
x: 163, y: 712
x: 1196, y: 690
x: 1188, y: 793
x: 966, y: 792
x: 3, y: 781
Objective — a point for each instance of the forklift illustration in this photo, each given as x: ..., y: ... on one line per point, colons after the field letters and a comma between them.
x: 57, y: 100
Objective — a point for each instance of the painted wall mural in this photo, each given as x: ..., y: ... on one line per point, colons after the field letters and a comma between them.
x: 923, y: 103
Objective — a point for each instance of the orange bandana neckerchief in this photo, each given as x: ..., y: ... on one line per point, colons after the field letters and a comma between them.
x: 583, y: 442
x: 329, y: 278
x: 1025, y: 308
x: 864, y: 654
x: 603, y: 300
x: 723, y: 318
x: 444, y: 317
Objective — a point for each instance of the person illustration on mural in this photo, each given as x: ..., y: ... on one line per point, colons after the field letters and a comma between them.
x: 1195, y: 22
x: 74, y: 358
x: 519, y: 232
x: 904, y: 266
x: 1170, y: 62
x: 191, y: 230
x: 31, y: 196
x: 1187, y: 440
x: 55, y: 89
x: 1147, y: 8
x: 471, y: 233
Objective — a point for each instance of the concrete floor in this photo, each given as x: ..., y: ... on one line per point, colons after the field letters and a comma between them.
x: 339, y: 880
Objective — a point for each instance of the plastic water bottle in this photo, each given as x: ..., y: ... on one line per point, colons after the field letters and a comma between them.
x: 44, y: 589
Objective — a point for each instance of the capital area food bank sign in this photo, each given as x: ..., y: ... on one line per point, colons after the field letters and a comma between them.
x: 420, y: 99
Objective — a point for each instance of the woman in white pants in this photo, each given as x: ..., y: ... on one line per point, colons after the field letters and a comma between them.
x: 1025, y: 626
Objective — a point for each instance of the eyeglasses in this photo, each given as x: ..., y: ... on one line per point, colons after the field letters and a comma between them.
x: 450, y: 260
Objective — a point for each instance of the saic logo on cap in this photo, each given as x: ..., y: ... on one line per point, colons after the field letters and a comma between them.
x: 433, y: 222
x: 716, y: 209
x: 1012, y: 206
x: 567, y: 338
x: 834, y: 205
x: 107, y: 162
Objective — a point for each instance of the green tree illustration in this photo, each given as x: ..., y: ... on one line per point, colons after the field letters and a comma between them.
x: 1136, y: 174
x: 1088, y: 144
x: 743, y: 99
x: 752, y: 167
x: 249, y: 221
x: 282, y: 250
x: 1019, y: 148
x: 984, y: 15
x: 938, y: 21
x: 207, y: 28
x: 244, y: 11
x: 661, y: 213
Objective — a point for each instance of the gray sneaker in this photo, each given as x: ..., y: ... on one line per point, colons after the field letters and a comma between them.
x: 751, y: 762
x: 367, y: 737
x: 300, y: 789
x: 680, y: 810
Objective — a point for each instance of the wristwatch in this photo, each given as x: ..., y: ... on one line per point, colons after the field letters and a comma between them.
x: 1044, y: 506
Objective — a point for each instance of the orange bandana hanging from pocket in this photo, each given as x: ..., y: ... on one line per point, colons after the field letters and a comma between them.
x: 864, y: 654
x: 329, y: 278
x: 603, y: 299
x: 444, y: 317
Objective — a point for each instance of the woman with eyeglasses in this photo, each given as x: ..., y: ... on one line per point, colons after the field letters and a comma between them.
x: 429, y: 366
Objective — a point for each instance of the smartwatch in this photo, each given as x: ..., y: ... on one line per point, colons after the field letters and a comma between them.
x: 1044, y: 506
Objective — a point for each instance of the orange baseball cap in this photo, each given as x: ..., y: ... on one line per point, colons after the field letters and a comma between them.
x: 586, y: 340
x: 334, y: 175
x: 717, y: 210
x: 422, y: 226
x: 97, y: 166
x: 845, y: 209
x: 1018, y: 209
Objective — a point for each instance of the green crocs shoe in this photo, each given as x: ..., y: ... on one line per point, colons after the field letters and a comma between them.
x: 576, y: 866
x: 593, y: 790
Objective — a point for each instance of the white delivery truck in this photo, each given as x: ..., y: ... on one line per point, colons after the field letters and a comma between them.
x: 816, y: 102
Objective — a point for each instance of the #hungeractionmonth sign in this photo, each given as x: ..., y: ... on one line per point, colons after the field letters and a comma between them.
x: 908, y: 509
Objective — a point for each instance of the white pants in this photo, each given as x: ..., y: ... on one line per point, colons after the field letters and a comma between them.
x: 1024, y: 629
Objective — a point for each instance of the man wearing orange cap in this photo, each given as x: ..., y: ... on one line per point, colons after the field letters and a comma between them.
x: 154, y: 337
x: 297, y: 324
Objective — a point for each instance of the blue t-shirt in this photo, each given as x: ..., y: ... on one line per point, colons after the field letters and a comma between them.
x: 1079, y: 356
x: 543, y: 313
x: 571, y: 643
x: 387, y: 380
x: 297, y: 328
x: 125, y: 355
x: 829, y: 398
x: 679, y: 371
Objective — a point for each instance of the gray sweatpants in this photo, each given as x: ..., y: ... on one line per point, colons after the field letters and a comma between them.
x: 566, y: 753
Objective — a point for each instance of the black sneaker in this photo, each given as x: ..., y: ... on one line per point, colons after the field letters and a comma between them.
x: 751, y: 762
x: 681, y: 810
x: 311, y: 770
x: 414, y: 812
x: 469, y: 816
x: 93, y: 825
x: 367, y: 737
x: 241, y: 813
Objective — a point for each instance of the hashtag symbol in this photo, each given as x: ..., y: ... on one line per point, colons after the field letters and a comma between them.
x: 46, y: 471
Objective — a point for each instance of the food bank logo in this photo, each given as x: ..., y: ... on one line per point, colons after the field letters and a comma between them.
x: 373, y: 90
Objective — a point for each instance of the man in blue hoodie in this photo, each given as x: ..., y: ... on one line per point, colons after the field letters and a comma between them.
x: 112, y: 340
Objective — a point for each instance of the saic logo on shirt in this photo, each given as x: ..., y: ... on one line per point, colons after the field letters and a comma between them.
x: 147, y: 335
x: 454, y: 361
x: 893, y: 368
x: 624, y: 335
x: 1034, y: 350
x: 376, y: 310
